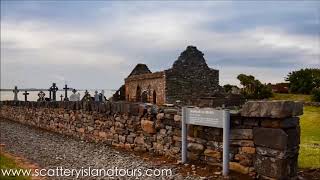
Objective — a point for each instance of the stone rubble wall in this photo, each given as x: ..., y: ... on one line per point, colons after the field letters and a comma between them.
x: 264, y: 137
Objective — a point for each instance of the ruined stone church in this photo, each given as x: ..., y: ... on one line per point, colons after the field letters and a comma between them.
x: 189, y: 78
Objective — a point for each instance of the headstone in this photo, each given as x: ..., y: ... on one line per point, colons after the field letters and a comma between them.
x: 54, y: 90
x: 74, y: 96
x: 50, y: 92
x: 15, y: 91
x: 41, y: 95
x: 78, y: 97
x: 102, y: 98
x: 96, y: 96
x: 66, y: 93
x: 86, y: 97
x: 61, y: 97
x: 25, y: 96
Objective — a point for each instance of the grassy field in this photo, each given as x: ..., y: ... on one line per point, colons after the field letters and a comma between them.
x: 309, y: 156
x: 9, y: 163
x: 293, y: 97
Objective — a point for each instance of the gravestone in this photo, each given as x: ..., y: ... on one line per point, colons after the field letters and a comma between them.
x: 41, y: 95
x: 50, y: 92
x: 54, y: 90
x: 15, y: 91
x: 74, y: 96
x: 86, y: 97
x: 102, y: 99
x: 25, y: 96
x: 96, y: 96
x: 66, y: 93
x: 61, y: 97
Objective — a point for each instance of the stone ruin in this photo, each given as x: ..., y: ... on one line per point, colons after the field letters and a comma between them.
x: 189, y: 81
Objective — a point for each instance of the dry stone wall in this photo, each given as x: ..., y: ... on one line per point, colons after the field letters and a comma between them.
x: 264, y: 135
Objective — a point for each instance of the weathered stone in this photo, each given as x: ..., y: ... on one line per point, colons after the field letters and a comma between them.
x: 195, y: 148
x: 247, y: 150
x: 130, y: 139
x: 215, y: 144
x: 177, y: 118
x: 247, y: 143
x: 158, y: 146
x: 241, y: 134
x: 81, y: 130
x: 272, y: 138
x: 244, y: 159
x: 212, y: 153
x: 163, y: 131
x: 192, y: 156
x: 293, y: 137
x: 102, y: 134
x: 139, y: 140
x: 250, y: 122
x: 122, y: 139
x: 280, y: 123
x: 271, y: 167
x: 238, y: 167
x: 160, y: 116
x: 170, y: 111
x: 148, y: 126
x: 270, y: 152
x: 273, y: 109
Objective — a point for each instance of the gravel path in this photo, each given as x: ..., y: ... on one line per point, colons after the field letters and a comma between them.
x: 50, y: 150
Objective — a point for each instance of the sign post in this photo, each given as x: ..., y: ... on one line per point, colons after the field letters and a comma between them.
x: 207, y: 117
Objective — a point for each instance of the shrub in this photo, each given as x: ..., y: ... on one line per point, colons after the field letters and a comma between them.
x: 315, y: 94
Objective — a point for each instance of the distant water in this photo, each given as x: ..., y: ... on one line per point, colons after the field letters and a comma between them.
x: 33, y: 95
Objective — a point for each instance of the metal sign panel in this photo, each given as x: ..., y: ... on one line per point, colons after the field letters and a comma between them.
x: 205, y: 117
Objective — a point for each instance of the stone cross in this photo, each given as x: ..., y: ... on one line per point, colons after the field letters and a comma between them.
x: 41, y: 95
x: 96, y: 96
x: 66, y: 93
x: 25, y: 96
x: 15, y: 91
x: 54, y: 90
x: 61, y: 96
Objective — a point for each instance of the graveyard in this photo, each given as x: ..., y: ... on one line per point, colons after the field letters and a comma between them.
x: 195, y: 90
x: 257, y: 139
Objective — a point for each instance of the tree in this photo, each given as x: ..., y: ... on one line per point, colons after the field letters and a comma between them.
x: 253, y: 88
x: 228, y: 87
x: 304, y: 80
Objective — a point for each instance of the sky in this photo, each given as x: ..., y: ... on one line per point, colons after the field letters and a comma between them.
x: 96, y: 44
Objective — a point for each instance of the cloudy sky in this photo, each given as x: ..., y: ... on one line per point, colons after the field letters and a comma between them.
x: 97, y: 44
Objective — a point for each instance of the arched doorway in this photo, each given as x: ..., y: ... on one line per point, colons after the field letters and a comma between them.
x: 154, y: 95
x: 144, y: 96
x: 138, y: 94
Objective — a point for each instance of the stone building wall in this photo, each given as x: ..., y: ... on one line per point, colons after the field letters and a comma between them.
x: 190, y: 78
x: 151, y: 85
x: 264, y: 137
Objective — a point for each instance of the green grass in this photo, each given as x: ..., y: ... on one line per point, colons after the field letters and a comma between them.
x: 309, y: 155
x: 293, y: 97
x: 8, y: 163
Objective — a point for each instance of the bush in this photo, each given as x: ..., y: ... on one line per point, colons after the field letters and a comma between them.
x: 304, y: 80
x: 315, y: 94
x: 253, y: 88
